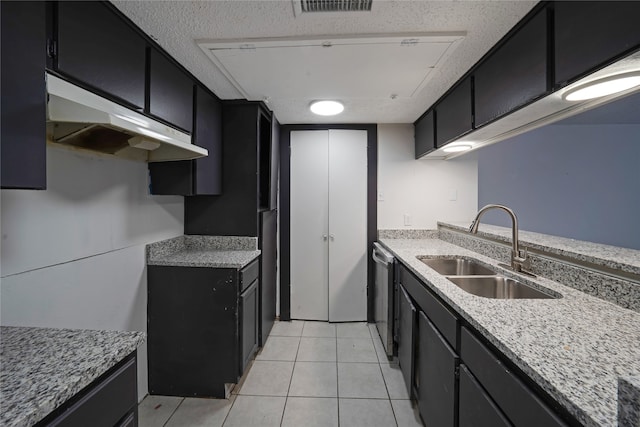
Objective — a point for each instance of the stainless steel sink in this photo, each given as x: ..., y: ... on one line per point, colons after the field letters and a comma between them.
x: 497, y: 287
x: 457, y: 267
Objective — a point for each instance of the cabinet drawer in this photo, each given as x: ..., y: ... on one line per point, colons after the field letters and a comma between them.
x: 106, y: 403
x: 476, y: 407
x: 441, y: 316
x: 519, y: 403
x: 249, y: 274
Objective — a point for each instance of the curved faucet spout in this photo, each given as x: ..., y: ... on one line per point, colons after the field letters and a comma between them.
x: 517, y: 261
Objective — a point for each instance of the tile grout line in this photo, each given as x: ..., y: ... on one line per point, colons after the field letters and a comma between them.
x: 384, y: 380
x: 173, y: 413
x: 337, y: 378
x: 293, y: 369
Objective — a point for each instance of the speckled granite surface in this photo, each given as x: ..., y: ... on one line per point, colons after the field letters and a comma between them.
x: 610, y: 256
x: 629, y: 402
x: 407, y: 234
x: 42, y: 368
x: 601, y: 284
x: 575, y: 347
x: 204, y: 251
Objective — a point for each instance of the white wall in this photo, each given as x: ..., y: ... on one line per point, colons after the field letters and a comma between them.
x: 426, y: 190
x: 73, y: 256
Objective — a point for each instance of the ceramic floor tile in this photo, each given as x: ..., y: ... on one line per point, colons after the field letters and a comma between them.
x: 279, y: 348
x: 353, y: 330
x: 314, y: 379
x: 256, y: 411
x: 356, y: 350
x: 267, y: 378
x: 310, y: 412
x: 361, y: 380
x: 366, y: 413
x: 317, y: 350
x: 201, y: 413
x: 395, y: 381
x: 154, y: 411
x: 406, y: 413
x: 292, y: 328
x: 319, y: 329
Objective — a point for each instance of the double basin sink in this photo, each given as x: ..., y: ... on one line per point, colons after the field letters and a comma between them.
x: 480, y: 280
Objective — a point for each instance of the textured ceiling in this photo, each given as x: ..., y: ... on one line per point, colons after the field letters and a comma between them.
x: 176, y: 25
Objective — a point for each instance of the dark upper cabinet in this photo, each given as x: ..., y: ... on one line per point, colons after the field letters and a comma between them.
x: 436, y: 372
x: 589, y: 34
x: 170, y: 92
x: 247, y: 152
x: 515, y: 74
x: 424, y: 134
x: 476, y: 408
x: 202, y: 176
x: 453, y: 113
x: 23, y: 148
x: 98, y: 48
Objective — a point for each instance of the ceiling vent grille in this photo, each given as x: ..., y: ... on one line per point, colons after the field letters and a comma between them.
x: 336, y: 5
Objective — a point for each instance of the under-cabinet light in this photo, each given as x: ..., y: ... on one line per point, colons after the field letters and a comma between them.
x: 457, y: 148
x: 326, y: 108
x: 602, y: 87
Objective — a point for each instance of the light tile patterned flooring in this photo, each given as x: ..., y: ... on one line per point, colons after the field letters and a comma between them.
x: 309, y: 374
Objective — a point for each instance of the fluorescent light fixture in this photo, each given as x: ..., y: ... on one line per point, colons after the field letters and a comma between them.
x: 326, y: 108
x: 602, y: 87
x: 457, y: 148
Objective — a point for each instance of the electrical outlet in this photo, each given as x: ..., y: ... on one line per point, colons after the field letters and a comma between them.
x: 380, y: 196
x: 407, y: 219
x: 453, y: 195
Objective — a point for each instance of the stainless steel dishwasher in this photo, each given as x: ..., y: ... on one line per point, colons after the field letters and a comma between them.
x: 383, y: 296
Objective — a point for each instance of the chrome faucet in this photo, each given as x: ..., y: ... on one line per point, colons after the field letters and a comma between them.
x: 518, y: 262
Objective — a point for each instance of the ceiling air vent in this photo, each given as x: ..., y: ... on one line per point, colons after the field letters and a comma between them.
x: 335, y: 5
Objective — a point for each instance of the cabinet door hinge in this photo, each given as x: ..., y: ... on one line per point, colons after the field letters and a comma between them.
x: 52, y: 48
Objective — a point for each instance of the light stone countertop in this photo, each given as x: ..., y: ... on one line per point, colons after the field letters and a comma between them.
x: 41, y: 368
x: 204, y: 251
x: 575, y: 347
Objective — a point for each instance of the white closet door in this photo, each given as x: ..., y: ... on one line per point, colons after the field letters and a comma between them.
x: 347, y: 225
x: 309, y: 221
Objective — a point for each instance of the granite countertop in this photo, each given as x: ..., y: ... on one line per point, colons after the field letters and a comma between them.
x: 42, y: 368
x: 613, y: 257
x: 575, y: 347
x: 204, y: 251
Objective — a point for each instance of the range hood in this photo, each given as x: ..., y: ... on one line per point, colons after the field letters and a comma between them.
x: 81, y: 119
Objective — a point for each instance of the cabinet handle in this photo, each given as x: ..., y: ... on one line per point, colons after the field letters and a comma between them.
x: 332, y: 237
x: 324, y: 237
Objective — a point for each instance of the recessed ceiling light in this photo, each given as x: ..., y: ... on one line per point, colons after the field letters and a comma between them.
x: 326, y: 108
x: 602, y: 87
x: 457, y: 148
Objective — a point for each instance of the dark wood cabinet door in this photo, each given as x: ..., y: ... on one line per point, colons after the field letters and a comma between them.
x: 590, y: 34
x: 172, y: 178
x: 170, y: 92
x: 476, y: 408
x: 23, y: 147
x: 436, y: 367
x: 515, y: 74
x: 425, y: 137
x: 453, y: 113
x: 248, y: 324
x: 406, y: 338
x: 98, y: 48
x: 268, y: 274
x: 208, y: 134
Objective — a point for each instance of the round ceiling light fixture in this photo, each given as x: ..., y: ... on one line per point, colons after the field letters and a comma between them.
x: 326, y: 108
x: 457, y: 148
x: 603, y: 87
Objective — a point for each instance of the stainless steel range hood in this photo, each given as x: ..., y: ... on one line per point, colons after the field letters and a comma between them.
x: 81, y: 119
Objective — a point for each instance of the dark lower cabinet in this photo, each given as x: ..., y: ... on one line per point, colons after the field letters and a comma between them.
x: 436, y: 367
x: 110, y: 401
x: 268, y: 272
x: 23, y: 110
x: 249, y: 320
x: 406, y: 338
x: 197, y: 336
x: 476, y: 407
